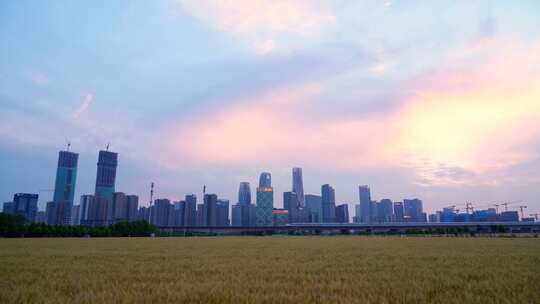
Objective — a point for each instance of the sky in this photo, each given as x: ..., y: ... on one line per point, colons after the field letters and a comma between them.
x: 438, y: 100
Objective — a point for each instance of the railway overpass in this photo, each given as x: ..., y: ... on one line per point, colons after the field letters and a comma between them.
x: 397, y: 228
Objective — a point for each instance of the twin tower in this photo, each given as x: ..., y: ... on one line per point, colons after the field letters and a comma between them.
x: 59, y: 210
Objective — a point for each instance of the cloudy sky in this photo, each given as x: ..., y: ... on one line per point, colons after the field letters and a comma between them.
x: 432, y: 99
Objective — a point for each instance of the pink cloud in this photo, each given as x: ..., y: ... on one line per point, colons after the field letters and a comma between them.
x: 263, y: 25
x: 464, y: 124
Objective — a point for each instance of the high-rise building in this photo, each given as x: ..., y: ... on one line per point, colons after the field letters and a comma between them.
x: 143, y: 214
x: 25, y: 204
x: 41, y: 217
x: 357, y: 214
x: 236, y: 215
x: 290, y: 203
x: 8, y: 208
x: 179, y: 213
x: 244, y: 194
x: 59, y: 213
x: 265, y: 180
x: 298, y: 186
x: 85, y: 205
x: 190, y: 213
x: 399, y: 214
x: 201, y: 215
x: 265, y: 201
x: 413, y: 210
x: 328, y: 196
x: 132, y: 207
x: 210, y: 208
x: 118, y: 209
x: 265, y: 206
x: 385, y: 211
x: 66, y: 177
x: 223, y: 213
x: 365, y: 204
x: 106, y: 174
x: 160, y: 212
x: 76, y: 215
x: 314, y: 205
x: 342, y: 213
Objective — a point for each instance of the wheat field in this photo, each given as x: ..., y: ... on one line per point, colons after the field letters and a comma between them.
x: 348, y: 269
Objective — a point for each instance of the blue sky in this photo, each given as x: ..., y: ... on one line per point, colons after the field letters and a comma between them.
x: 434, y: 100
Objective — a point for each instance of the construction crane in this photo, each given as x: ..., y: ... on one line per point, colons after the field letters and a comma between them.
x: 469, y: 206
x: 510, y: 203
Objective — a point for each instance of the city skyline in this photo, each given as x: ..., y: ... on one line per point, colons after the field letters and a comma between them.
x: 437, y: 101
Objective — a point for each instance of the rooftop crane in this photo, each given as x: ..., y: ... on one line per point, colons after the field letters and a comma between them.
x: 510, y: 203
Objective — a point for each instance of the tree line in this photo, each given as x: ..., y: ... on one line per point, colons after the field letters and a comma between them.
x: 14, y: 226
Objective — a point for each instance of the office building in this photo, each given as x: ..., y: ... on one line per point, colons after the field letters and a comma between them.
x: 265, y: 180
x: 342, y: 213
x: 8, y: 208
x: 59, y: 213
x: 201, y: 216
x: 210, y: 209
x: 265, y: 206
x: 25, y: 204
x: 280, y: 217
x: 132, y: 207
x: 298, y: 186
x: 357, y: 214
x: 399, y: 213
x: 236, y: 215
x: 328, y: 196
x: 385, y: 211
x: 314, y: 205
x: 144, y: 214
x: 106, y: 174
x: 365, y: 204
x: 190, y: 213
x: 117, y: 211
x: 41, y: 217
x: 85, y: 205
x: 413, y: 210
x: 76, y: 215
x: 66, y: 177
x: 509, y: 216
x: 160, y: 212
x: 179, y: 215
x: 223, y: 213
x: 244, y: 194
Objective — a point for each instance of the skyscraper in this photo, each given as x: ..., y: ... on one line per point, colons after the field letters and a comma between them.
x: 160, y: 212
x: 179, y: 213
x: 66, y: 176
x: 190, y: 213
x: 413, y: 210
x: 399, y: 214
x: 265, y: 180
x: 328, y: 195
x: 314, y: 205
x: 85, y: 203
x: 210, y: 209
x: 298, y: 186
x: 244, y: 194
x: 265, y: 201
x: 342, y: 213
x: 223, y: 213
x: 385, y: 211
x: 106, y: 174
x: 25, y: 204
x: 132, y: 207
x: 365, y: 204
